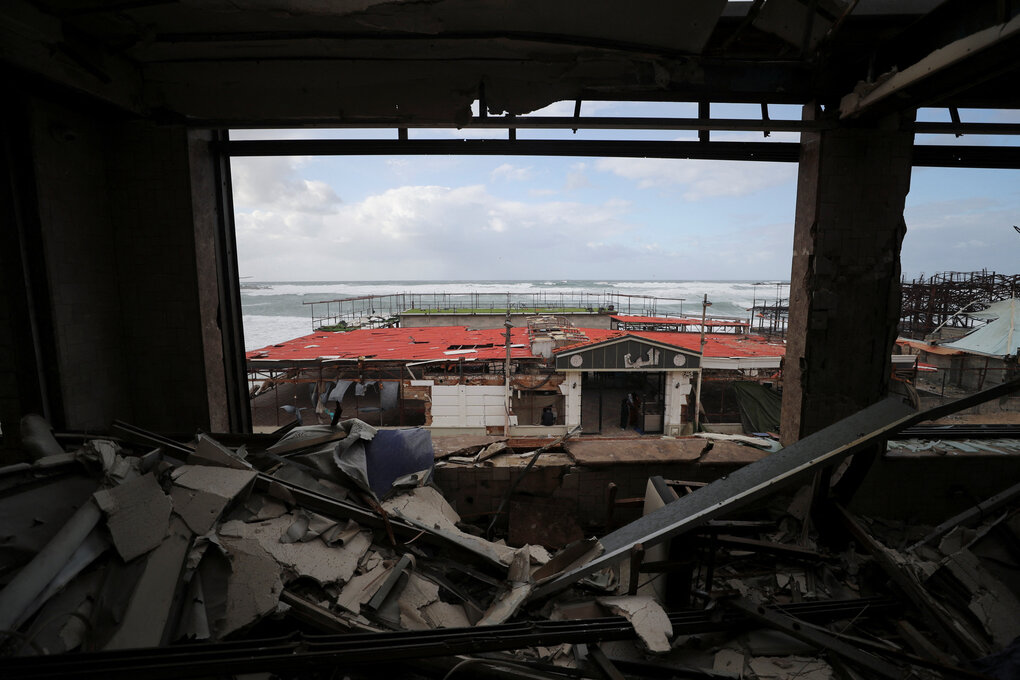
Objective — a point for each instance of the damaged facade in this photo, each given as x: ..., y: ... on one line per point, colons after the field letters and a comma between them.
x: 141, y: 551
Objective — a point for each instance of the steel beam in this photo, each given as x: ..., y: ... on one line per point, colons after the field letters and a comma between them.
x: 297, y: 654
x: 793, y: 463
x: 777, y: 152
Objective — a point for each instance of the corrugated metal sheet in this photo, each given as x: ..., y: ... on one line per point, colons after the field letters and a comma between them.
x: 999, y: 337
x: 729, y: 345
x: 401, y: 344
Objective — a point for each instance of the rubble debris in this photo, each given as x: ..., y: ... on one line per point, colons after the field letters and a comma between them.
x: 208, y: 451
x: 33, y: 578
x: 37, y: 438
x: 149, y: 607
x: 137, y: 514
x: 783, y: 668
x: 358, y: 591
x: 253, y: 588
x: 426, y: 508
x: 827, y: 446
x: 729, y: 661
x: 648, y: 618
x: 313, y: 559
x: 288, y: 539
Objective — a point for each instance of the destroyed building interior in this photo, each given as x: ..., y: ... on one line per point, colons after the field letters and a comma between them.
x: 155, y: 522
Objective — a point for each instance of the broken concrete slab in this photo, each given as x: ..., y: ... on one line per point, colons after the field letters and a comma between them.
x: 198, y: 509
x: 494, y: 449
x: 416, y: 595
x: 210, y: 452
x: 783, y: 668
x: 313, y: 559
x: 360, y: 589
x: 426, y: 508
x: 254, y: 585
x: 648, y: 618
x: 149, y: 609
x: 729, y: 661
x: 445, y: 615
x: 506, y: 605
x: 225, y: 482
x: 615, y: 452
x: 137, y: 514
x: 462, y: 444
x: 991, y: 602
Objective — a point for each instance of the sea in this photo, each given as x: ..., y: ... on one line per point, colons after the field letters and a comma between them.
x: 274, y: 311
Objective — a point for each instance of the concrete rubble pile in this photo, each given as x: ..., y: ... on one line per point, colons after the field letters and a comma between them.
x: 329, y: 549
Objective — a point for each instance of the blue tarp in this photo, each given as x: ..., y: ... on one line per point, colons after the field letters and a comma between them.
x: 391, y: 454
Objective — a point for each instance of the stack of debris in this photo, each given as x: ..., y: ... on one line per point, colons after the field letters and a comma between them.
x: 328, y: 548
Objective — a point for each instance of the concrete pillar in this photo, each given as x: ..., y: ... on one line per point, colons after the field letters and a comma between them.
x: 571, y: 390
x: 844, y: 284
x: 678, y: 386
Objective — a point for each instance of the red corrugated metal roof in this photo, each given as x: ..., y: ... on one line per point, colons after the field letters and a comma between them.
x: 716, y: 344
x: 675, y: 321
x: 400, y: 344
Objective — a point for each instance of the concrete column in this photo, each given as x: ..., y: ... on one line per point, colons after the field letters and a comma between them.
x: 678, y: 386
x: 571, y: 390
x: 844, y: 284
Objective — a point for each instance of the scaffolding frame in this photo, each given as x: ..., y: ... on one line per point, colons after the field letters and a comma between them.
x: 934, y: 302
x: 374, y: 311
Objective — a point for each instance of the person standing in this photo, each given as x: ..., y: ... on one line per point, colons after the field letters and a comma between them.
x: 548, y: 417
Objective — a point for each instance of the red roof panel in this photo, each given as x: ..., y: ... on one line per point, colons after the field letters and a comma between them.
x: 400, y: 344
x: 716, y: 344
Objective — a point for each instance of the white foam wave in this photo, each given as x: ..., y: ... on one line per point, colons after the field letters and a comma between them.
x: 261, y: 331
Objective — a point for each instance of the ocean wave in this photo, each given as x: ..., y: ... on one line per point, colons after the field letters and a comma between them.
x: 262, y: 331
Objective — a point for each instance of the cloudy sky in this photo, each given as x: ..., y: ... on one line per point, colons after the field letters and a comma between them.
x: 484, y: 217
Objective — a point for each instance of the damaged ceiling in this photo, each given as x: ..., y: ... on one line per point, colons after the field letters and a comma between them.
x: 305, y: 62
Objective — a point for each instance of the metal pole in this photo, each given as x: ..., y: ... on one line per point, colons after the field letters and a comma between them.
x: 506, y: 373
x: 697, y: 402
x: 705, y: 304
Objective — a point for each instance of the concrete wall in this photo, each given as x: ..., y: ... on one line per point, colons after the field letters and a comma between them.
x: 121, y: 227
x: 79, y: 240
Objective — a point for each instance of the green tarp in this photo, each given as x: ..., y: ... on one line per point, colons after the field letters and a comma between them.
x: 759, y: 407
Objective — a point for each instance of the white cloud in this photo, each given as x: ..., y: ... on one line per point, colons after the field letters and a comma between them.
x: 274, y: 184
x: 700, y: 179
x: 511, y: 173
x: 426, y: 232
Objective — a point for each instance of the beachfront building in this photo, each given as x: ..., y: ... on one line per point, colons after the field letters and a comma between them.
x: 454, y: 378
